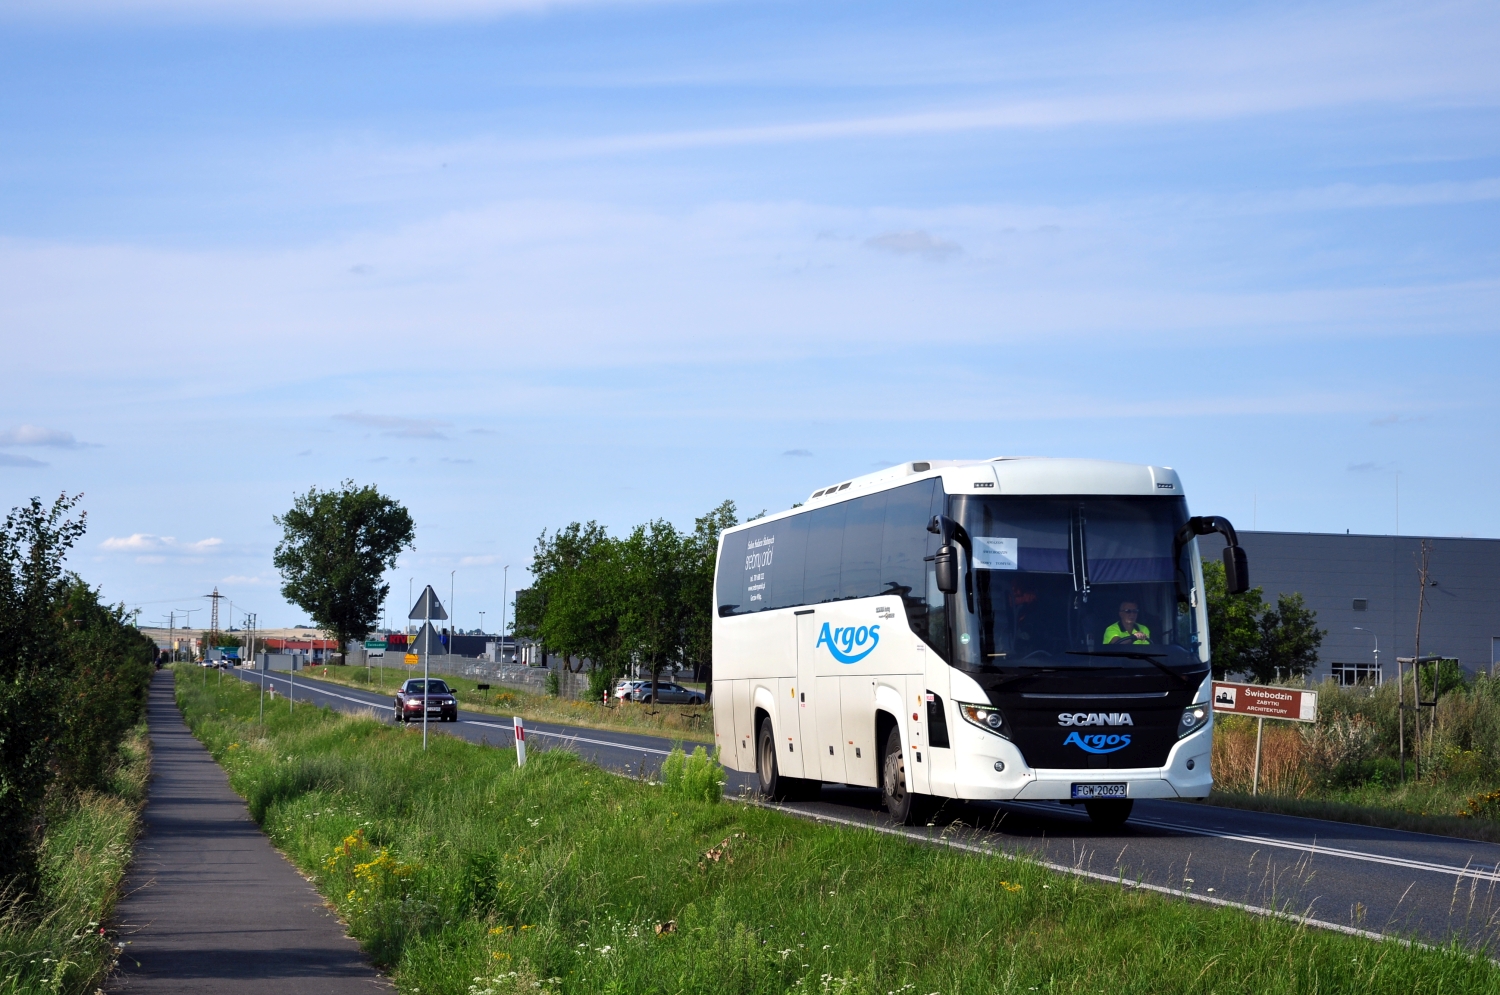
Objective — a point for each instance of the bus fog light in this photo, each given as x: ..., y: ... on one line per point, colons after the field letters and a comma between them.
x: 1192, y: 718
x: 1000, y: 765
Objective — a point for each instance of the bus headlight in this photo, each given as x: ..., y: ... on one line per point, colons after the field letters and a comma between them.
x: 985, y: 717
x: 1193, y: 718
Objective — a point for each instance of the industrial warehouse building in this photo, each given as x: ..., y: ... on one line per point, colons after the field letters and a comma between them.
x: 1364, y: 589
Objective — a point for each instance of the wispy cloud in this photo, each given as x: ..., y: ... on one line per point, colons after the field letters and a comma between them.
x: 456, y: 459
x: 36, y: 435
x: 397, y: 428
x: 6, y: 459
x: 915, y: 243
x: 146, y: 543
x: 797, y: 452
x: 1366, y: 467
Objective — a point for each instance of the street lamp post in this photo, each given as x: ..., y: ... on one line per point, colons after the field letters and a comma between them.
x: 504, y: 597
x: 1379, y: 674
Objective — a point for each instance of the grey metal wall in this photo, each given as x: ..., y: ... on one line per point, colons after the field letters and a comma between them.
x: 1462, y: 614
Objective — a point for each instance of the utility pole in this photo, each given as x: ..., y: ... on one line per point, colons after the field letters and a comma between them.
x: 1416, y: 666
x: 504, y: 597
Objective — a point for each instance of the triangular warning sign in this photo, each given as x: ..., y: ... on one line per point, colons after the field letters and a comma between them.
x: 428, y: 642
x: 428, y: 606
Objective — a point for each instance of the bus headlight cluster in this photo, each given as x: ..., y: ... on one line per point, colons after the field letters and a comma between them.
x: 1193, y: 717
x: 985, y: 717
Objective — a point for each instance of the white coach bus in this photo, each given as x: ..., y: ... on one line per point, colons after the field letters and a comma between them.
x: 977, y: 629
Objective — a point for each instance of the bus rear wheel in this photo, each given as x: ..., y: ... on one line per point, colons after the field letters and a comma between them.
x: 1109, y: 813
x: 906, y: 807
x: 768, y: 772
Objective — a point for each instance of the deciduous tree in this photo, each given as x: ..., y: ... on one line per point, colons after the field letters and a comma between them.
x: 335, y: 550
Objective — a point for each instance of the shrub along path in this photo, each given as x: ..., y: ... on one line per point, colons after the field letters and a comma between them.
x: 210, y: 905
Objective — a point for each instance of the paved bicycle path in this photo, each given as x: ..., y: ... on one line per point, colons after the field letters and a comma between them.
x: 210, y: 905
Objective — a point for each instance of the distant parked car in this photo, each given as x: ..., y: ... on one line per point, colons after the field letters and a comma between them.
x: 442, y: 706
x: 624, y: 689
x: 671, y: 694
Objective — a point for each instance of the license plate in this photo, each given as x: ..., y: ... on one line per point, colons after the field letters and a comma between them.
x: 1098, y: 791
x: 434, y: 711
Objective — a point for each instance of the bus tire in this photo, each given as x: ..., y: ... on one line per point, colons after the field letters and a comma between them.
x: 906, y: 807
x: 768, y: 771
x: 1109, y: 813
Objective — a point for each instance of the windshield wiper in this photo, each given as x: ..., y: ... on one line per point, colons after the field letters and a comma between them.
x: 1150, y: 658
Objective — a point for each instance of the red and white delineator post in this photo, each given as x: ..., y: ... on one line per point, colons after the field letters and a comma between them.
x: 520, y: 741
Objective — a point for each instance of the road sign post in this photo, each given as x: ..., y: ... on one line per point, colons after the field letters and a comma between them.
x: 427, y: 608
x: 520, y: 728
x: 1264, y: 702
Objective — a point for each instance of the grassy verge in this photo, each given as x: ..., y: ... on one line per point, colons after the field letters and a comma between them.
x: 694, y: 723
x: 462, y: 873
x: 1298, y: 777
x: 58, y: 946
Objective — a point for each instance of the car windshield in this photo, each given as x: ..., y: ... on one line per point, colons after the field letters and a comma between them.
x: 1079, y: 581
x: 434, y: 687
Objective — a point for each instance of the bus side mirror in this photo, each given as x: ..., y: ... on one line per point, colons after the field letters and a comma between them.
x: 1236, y: 570
x: 945, y: 565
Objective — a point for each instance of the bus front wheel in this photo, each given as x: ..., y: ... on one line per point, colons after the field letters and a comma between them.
x: 768, y: 771
x: 907, y: 808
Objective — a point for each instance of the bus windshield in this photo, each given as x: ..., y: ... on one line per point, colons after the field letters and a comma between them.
x: 1078, y: 582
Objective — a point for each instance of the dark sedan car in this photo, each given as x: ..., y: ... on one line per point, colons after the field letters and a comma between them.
x: 442, y: 706
x: 671, y: 694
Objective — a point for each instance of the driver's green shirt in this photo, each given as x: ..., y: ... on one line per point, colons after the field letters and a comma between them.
x: 1143, y: 635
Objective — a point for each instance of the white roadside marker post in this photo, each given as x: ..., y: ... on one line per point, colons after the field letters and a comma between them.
x: 520, y: 741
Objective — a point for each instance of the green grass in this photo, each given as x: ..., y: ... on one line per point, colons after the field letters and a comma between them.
x: 687, y: 722
x: 56, y: 945
x: 461, y: 873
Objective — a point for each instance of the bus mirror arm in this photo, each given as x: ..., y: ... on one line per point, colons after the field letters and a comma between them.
x: 945, y: 563
x: 1236, y: 566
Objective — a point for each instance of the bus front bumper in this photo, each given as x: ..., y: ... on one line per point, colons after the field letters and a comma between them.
x: 1186, y: 773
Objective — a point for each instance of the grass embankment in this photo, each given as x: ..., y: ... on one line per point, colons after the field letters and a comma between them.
x: 56, y: 945
x: 462, y: 873
x: 687, y: 722
x: 1337, y: 770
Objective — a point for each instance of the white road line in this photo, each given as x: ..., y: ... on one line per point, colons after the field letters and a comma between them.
x: 488, y: 725
x: 571, y: 738
x: 1475, y: 872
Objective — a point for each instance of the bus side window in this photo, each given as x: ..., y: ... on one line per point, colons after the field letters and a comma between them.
x: 937, y: 722
x: 864, y: 528
x: 825, y: 545
x: 902, y: 549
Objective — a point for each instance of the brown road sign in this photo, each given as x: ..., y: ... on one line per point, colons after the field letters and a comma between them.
x: 1264, y: 701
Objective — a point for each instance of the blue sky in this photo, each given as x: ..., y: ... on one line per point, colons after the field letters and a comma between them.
x: 521, y: 263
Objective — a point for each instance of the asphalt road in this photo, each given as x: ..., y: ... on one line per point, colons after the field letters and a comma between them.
x: 1433, y: 889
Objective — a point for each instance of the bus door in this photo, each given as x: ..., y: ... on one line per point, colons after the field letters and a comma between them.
x: 817, y: 707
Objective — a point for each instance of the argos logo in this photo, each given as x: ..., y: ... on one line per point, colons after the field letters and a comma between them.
x: 845, y: 643
x: 1098, y: 742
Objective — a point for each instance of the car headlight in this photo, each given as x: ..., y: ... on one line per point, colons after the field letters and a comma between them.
x: 1194, y: 717
x: 985, y: 717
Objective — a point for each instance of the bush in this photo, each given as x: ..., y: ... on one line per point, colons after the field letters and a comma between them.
x: 601, y: 682
x: 552, y: 684
x: 699, y: 777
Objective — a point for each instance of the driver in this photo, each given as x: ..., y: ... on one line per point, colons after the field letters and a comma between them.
x: 1127, y: 631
